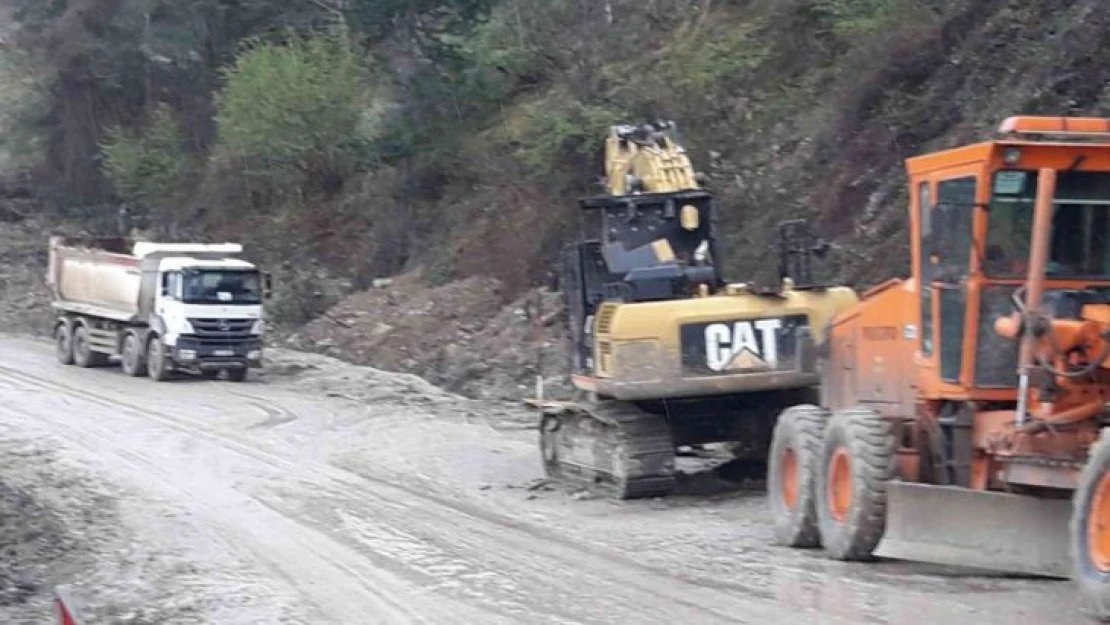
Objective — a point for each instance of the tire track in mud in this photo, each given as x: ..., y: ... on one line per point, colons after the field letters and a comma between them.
x: 513, y: 545
x: 275, y: 416
x: 325, y: 555
x: 315, y: 555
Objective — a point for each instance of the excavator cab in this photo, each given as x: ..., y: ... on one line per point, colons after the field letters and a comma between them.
x: 961, y: 408
x: 655, y: 247
x: 646, y: 247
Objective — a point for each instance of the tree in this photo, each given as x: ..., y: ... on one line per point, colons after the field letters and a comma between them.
x: 434, y: 24
x: 290, y: 113
x: 147, y: 167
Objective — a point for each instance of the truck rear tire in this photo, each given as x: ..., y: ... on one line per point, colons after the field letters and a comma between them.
x: 63, y: 341
x: 132, y: 359
x: 83, y: 354
x: 157, y: 365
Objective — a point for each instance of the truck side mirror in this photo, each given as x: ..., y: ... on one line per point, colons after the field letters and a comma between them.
x: 267, y: 285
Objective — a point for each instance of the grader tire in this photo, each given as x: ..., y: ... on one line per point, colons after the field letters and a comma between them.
x: 856, y: 462
x: 792, y: 475
x: 1090, y: 530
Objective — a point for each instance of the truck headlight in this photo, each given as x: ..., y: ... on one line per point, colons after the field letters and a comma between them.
x: 186, y: 354
x: 254, y: 354
x: 259, y: 327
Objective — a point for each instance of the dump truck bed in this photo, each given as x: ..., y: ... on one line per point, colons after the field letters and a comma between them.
x: 96, y: 278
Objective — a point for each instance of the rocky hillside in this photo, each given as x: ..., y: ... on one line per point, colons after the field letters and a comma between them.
x: 458, y: 335
x: 795, y: 108
x: 476, y: 155
x: 480, y: 122
x: 24, y: 299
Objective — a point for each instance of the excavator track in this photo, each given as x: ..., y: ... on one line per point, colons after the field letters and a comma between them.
x: 612, y: 448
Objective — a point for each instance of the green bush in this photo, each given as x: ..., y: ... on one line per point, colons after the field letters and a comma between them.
x: 149, y: 166
x: 698, y: 59
x: 853, y: 19
x: 558, y: 132
x: 291, y: 113
x: 23, y: 100
x: 500, y: 59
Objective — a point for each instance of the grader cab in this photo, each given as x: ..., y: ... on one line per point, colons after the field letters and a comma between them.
x: 961, y: 408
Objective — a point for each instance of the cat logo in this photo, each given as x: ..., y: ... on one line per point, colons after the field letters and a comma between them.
x: 743, y: 346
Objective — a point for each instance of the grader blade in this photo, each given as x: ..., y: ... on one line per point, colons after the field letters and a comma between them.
x: 975, y: 529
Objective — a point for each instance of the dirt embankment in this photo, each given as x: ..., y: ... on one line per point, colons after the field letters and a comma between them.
x: 459, y: 336
x: 60, y: 527
x: 24, y: 299
x: 33, y: 542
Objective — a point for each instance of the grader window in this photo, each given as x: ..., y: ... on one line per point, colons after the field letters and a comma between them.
x: 925, y: 223
x: 951, y: 248
x: 951, y: 226
x: 1080, y: 225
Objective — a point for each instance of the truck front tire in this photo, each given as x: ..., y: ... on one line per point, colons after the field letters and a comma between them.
x: 63, y: 341
x: 237, y: 375
x: 132, y: 359
x: 157, y: 365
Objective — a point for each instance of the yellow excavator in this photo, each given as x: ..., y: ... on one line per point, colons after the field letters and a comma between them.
x: 663, y: 352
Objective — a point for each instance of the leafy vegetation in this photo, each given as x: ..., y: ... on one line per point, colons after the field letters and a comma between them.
x: 373, y: 136
x: 148, y: 166
x: 289, y: 114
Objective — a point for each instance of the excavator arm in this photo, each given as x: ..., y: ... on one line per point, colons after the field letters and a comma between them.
x: 647, y: 159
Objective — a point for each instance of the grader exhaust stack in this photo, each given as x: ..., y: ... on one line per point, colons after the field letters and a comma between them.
x: 1042, y: 222
x: 971, y: 437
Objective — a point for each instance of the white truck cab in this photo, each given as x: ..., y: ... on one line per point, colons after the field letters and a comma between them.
x: 211, y: 309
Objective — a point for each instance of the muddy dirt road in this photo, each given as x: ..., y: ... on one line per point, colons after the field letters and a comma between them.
x: 334, y: 494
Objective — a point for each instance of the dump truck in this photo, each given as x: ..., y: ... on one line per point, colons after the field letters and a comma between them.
x: 664, y: 352
x: 157, y: 307
x: 963, y: 408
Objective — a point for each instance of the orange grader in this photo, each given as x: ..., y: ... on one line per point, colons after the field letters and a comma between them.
x: 961, y: 411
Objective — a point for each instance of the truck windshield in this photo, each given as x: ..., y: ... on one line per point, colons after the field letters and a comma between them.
x: 1080, y: 225
x: 207, y: 286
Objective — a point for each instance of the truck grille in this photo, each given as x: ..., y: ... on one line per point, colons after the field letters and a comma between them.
x: 218, y: 330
